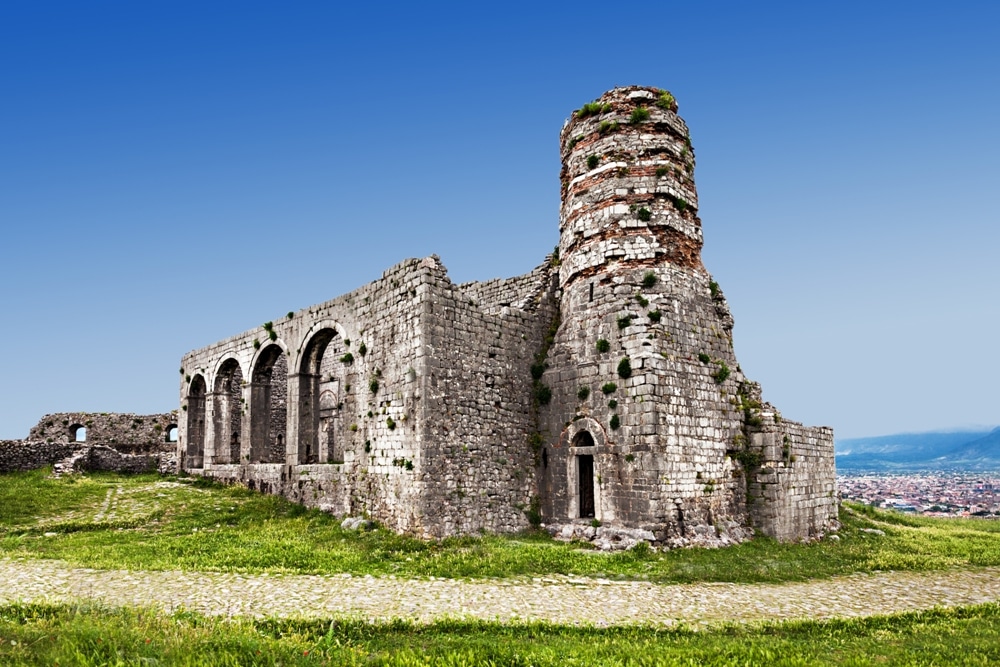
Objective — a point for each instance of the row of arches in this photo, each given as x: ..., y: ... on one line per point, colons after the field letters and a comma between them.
x: 249, y: 422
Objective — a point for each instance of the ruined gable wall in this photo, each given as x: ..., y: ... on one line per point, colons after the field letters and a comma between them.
x: 373, y: 478
x: 481, y: 340
x: 125, y: 432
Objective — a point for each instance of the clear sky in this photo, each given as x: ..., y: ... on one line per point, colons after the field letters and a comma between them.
x: 172, y: 173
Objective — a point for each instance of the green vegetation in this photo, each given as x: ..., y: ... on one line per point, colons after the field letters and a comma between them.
x: 649, y: 279
x: 642, y: 301
x: 713, y: 288
x: 624, y: 321
x: 592, y: 109
x: 593, y: 161
x: 603, y: 345
x: 614, y: 423
x: 373, y: 386
x: 348, y: 358
x: 607, y: 126
x: 666, y: 101
x: 704, y: 358
x: 44, y: 634
x: 625, y: 368
x: 390, y: 423
x: 662, y: 171
x: 177, y: 524
x: 543, y: 394
x: 644, y: 214
x: 582, y: 393
x: 362, y: 349
x: 609, y: 388
x: 722, y: 373
x: 639, y: 115
x: 654, y: 315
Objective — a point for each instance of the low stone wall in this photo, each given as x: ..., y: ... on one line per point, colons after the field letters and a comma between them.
x: 31, y: 454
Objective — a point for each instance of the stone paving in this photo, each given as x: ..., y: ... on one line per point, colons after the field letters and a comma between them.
x: 559, y: 599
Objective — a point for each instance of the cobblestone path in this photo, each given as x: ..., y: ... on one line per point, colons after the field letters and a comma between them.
x: 554, y: 598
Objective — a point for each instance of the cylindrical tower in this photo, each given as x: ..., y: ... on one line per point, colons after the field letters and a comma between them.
x: 628, y: 194
x: 644, y: 415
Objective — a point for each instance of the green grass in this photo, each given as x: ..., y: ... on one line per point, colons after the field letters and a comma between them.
x: 147, y: 522
x: 40, y: 634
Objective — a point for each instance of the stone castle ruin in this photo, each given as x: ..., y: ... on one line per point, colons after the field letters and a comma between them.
x: 598, y: 395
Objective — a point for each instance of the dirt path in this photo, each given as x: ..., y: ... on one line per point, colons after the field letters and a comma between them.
x: 555, y: 598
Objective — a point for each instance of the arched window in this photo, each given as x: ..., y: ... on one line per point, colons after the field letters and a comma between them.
x: 172, y: 433
x: 227, y: 412
x: 323, y: 384
x: 78, y: 433
x: 195, y: 451
x: 268, y: 406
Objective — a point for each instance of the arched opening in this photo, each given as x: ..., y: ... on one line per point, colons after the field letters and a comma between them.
x: 268, y: 406
x: 227, y: 412
x: 195, y: 452
x: 172, y: 433
x: 78, y: 433
x: 585, y: 475
x: 323, y: 384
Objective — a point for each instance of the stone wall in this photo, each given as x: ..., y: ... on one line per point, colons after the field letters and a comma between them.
x: 125, y: 432
x: 477, y: 395
x: 793, y: 494
x: 31, y: 454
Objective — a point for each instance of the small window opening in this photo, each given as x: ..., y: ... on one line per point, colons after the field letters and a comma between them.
x: 591, y: 291
x: 78, y: 433
x: 171, y: 433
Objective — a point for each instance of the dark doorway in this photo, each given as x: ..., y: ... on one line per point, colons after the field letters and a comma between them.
x: 586, y: 476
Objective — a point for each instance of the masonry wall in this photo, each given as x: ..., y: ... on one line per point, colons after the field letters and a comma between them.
x: 481, y: 339
x: 31, y: 454
x: 125, y: 432
x: 360, y: 411
x: 792, y: 495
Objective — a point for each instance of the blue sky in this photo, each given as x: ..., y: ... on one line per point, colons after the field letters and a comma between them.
x: 172, y: 173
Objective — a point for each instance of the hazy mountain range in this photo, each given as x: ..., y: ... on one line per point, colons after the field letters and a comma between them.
x: 912, y: 452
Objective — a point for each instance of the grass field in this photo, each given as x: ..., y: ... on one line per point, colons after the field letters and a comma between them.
x: 148, y: 522
x: 67, y: 635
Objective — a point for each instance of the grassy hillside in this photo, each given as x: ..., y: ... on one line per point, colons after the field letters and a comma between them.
x: 33, y: 635
x: 109, y: 521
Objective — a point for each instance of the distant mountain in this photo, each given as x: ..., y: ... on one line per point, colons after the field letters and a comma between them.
x: 910, y: 452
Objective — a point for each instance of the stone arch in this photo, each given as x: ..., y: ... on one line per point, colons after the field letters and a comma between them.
x: 171, y: 433
x: 586, y: 437
x: 195, y: 452
x: 77, y: 433
x: 269, y: 405
x: 227, y: 411
x: 323, y: 383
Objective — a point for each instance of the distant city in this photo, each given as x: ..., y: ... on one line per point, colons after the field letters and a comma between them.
x: 963, y: 494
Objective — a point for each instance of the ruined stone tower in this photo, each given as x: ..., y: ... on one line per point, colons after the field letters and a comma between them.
x: 601, y: 388
x: 651, y: 421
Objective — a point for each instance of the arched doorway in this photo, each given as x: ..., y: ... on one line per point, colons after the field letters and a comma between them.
x: 585, y: 474
x: 323, y: 390
x: 195, y: 451
x: 268, y: 406
x: 227, y: 412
